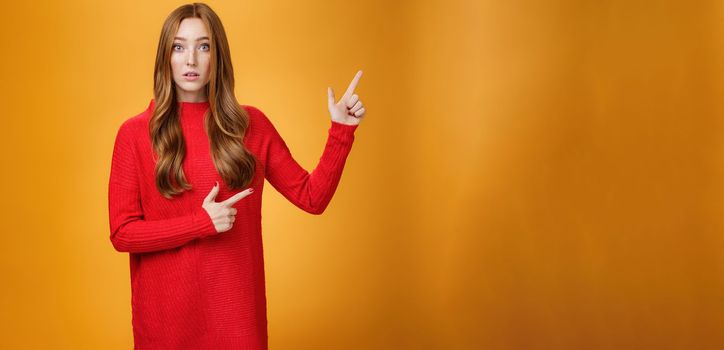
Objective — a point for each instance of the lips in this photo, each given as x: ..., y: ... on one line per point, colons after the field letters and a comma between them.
x: 191, y: 74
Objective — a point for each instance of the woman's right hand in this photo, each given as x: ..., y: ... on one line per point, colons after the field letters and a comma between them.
x: 222, y: 213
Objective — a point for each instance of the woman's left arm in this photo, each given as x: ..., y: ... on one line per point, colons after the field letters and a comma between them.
x: 313, y: 191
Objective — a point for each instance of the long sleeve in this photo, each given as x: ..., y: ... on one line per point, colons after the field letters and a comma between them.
x: 313, y: 191
x: 129, y: 232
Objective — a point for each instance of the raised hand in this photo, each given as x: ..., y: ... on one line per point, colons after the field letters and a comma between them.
x: 349, y: 109
x: 222, y: 213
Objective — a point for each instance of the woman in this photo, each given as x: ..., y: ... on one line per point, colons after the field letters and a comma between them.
x: 185, y: 188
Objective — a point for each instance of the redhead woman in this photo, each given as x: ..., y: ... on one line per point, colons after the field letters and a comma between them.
x: 185, y: 192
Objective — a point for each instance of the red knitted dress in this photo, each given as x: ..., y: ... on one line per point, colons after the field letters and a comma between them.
x: 191, y: 287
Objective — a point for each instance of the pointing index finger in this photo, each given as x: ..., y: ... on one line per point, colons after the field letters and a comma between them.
x: 235, y: 198
x: 353, y: 84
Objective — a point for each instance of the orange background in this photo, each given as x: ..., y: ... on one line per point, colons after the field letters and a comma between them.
x: 529, y: 174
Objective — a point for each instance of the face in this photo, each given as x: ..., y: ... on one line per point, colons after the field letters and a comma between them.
x: 191, y: 52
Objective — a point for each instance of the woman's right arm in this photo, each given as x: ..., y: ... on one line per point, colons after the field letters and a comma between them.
x: 129, y: 232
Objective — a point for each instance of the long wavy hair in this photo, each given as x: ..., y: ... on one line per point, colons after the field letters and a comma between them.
x: 226, y: 125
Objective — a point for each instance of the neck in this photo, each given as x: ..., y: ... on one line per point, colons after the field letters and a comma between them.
x: 193, y: 100
x: 191, y: 96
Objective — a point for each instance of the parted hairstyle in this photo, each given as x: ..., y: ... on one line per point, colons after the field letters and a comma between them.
x: 226, y: 121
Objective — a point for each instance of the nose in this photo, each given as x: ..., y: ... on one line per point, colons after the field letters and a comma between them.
x: 191, y: 61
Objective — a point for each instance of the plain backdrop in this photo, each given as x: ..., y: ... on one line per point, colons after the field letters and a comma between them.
x: 529, y: 174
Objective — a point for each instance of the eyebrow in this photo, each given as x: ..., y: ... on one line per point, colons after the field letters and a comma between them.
x: 184, y: 39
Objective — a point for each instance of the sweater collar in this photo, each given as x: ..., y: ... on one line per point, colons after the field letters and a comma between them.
x: 194, y: 106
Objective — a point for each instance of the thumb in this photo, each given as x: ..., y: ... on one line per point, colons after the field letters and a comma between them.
x: 330, y: 98
x: 211, y: 197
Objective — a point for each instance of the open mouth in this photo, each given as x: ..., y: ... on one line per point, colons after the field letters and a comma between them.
x: 191, y: 76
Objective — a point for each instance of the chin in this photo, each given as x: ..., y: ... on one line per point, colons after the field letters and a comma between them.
x: 190, y: 86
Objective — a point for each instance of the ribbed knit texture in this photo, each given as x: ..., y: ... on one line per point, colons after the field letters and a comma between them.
x: 191, y: 287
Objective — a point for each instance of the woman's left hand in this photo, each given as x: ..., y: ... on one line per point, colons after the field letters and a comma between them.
x: 349, y: 109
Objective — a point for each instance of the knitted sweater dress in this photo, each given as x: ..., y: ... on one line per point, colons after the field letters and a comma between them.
x: 192, y: 287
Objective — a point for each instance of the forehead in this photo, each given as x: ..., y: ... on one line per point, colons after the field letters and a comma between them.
x: 192, y: 28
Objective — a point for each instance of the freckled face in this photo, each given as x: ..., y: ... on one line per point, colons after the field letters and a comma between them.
x: 191, y: 52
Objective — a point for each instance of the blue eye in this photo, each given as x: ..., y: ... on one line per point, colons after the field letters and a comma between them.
x: 205, y: 46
